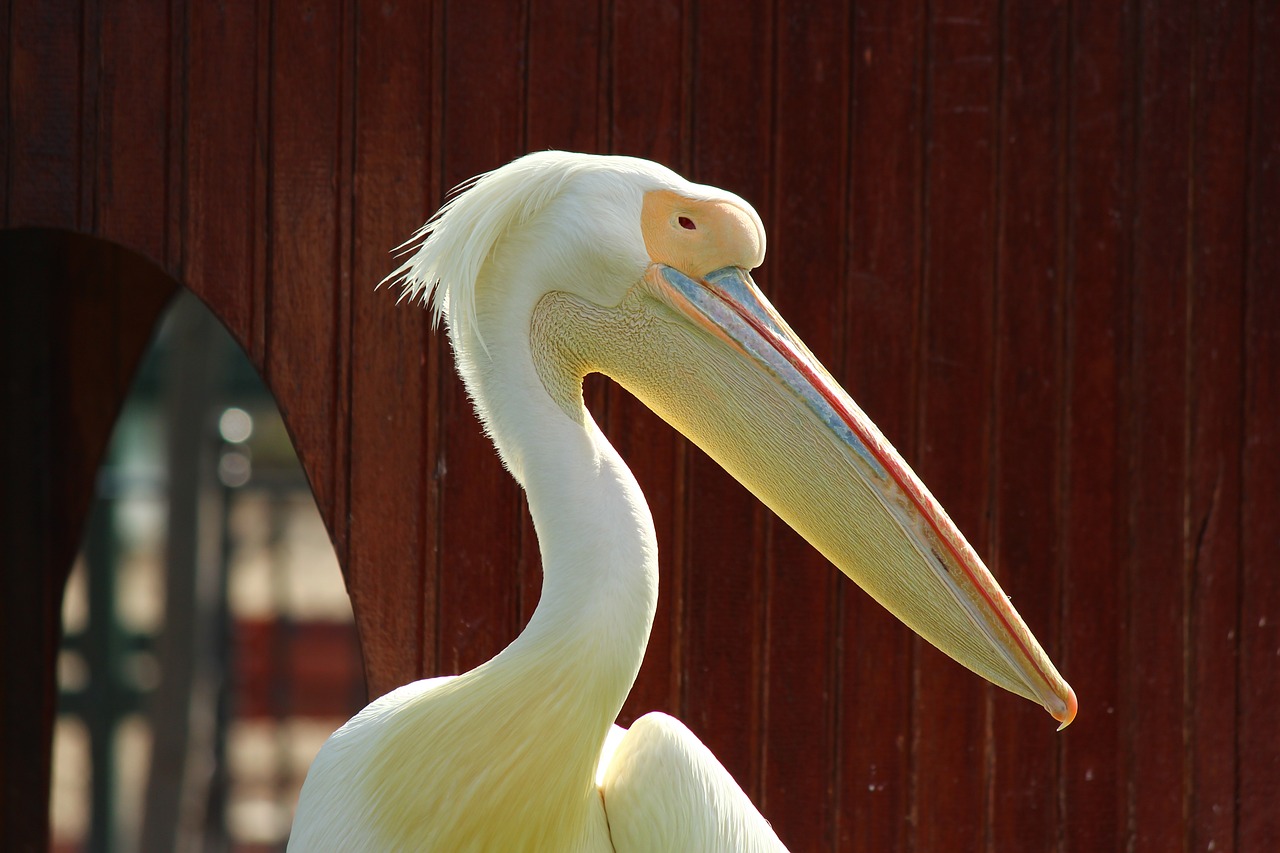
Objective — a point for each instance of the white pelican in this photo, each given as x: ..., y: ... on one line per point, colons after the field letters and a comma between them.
x: 549, y: 268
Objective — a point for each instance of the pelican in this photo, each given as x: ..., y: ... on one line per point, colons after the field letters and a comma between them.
x: 547, y: 269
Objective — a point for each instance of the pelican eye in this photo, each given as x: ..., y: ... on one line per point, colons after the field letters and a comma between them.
x: 698, y: 237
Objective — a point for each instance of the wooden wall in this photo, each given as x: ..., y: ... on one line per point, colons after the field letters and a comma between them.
x: 1038, y: 240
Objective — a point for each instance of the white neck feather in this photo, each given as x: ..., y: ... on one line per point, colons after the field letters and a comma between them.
x: 545, y: 704
x: 595, y: 532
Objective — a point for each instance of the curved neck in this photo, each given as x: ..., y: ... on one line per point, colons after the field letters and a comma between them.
x: 595, y: 532
x: 598, y: 547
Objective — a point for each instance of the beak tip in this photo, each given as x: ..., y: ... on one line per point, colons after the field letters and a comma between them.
x: 1066, y: 715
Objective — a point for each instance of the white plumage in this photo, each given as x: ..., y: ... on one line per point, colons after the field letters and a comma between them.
x: 549, y: 268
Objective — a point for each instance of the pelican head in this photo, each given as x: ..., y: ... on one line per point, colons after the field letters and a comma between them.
x: 558, y: 265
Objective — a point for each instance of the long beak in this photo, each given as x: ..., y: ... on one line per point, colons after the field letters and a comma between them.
x: 720, y: 365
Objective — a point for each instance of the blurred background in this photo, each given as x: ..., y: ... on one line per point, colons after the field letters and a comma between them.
x: 208, y: 644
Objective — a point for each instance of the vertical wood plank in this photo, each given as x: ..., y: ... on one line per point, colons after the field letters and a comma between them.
x: 133, y: 127
x: 885, y: 173
x: 262, y: 185
x: 951, y: 773
x: 647, y: 118
x: 1026, y: 552
x: 304, y: 281
x: 1100, y: 164
x: 6, y: 96
x: 224, y: 212
x: 391, y: 570
x: 481, y: 514
x: 649, y: 77
x: 45, y: 122
x: 1257, y: 748
x: 1154, y: 658
x: 806, y: 265
x: 344, y: 193
x: 175, y: 121
x: 563, y: 81
x: 1215, y: 331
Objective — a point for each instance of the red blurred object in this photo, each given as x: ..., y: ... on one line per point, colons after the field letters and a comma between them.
x: 295, y: 669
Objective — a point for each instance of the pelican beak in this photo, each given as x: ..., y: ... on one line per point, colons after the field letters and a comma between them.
x: 718, y: 363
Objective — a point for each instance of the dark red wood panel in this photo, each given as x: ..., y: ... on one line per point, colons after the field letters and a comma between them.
x: 952, y: 755
x: 874, y: 723
x: 1215, y: 305
x: 481, y: 515
x: 6, y: 122
x: 650, y: 77
x: 223, y: 242
x: 306, y: 278
x: 47, y: 132
x: 394, y: 356
x: 1156, y: 644
x: 1026, y: 550
x: 566, y: 82
x: 1256, y: 747
x: 1095, y: 480
x: 132, y: 125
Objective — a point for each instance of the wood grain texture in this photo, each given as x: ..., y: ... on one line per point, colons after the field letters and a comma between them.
x: 6, y: 115
x: 1156, y: 643
x: 394, y: 356
x: 1037, y: 241
x: 304, y: 286
x: 132, y: 125
x: 881, y: 322
x: 952, y: 773
x: 1215, y: 305
x: 1256, y: 747
x: 1096, y: 480
x: 46, y: 128
x: 480, y: 516
x: 1026, y: 547
x: 223, y: 240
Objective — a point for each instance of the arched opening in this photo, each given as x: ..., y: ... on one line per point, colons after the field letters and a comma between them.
x: 207, y: 646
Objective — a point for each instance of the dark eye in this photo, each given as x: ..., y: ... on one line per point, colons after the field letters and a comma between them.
x: 687, y: 224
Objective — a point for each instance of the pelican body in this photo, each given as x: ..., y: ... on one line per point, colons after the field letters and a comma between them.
x: 547, y: 269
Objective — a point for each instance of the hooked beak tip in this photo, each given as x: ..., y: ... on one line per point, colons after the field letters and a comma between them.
x: 1069, y: 713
